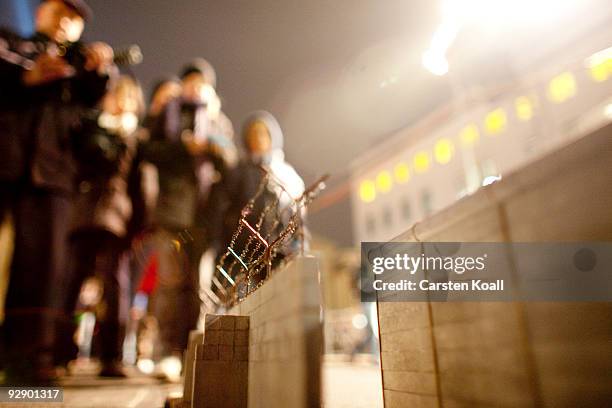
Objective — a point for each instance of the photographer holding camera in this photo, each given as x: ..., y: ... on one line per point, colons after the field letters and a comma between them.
x: 40, y: 105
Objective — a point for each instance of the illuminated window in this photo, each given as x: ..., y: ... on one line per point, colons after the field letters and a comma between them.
x: 524, y: 108
x: 443, y: 151
x: 384, y: 182
x: 562, y: 87
x: 600, y: 65
x: 387, y: 217
x: 426, y: 202
x: 370, y: 224
x: 421, y: 162
x: 402, y: 173
x: 496, y: 121
x: 406, y: 209
x: 469, y: 135
x: 367, y: 191
x: 599, y: 72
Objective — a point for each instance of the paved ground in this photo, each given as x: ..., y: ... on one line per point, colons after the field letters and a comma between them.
x: 85, y: 390
x: 135, y: 392
x: 345, y: 386
x: 348, y: 385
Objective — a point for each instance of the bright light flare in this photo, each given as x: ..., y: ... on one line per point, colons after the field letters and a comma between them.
x: 434, y: 59
x: 469, y: 135
x: 608, y: 111
x: 524, y: 108
x: 360, y: 321
x: 384, y: 182
x: 171, y: 368
x: 367, y: 191
x: 562, y: 87
x: 435, y: 63
x: 495, y: 122
x: 402, y: 173
x: 443, y: 151
x: 146, y: 366
x: 490, y: 180
x: 421, y: 162
x: 600, y: 65
x: 491, y: 15
x: 504, y: 12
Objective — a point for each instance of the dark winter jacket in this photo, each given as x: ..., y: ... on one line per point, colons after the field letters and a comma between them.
x: 36, y: 123
x: 184, y: 179
x: 109, y: 193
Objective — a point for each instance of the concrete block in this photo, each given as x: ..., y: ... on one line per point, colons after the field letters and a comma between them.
x: 281, y: 340
x: 226, y: 353
x: 242, y: 323
x: 227, y: 323
x: 212, y: 322
x: 396, y: 399
x: 403, y: 321
x: 408, y: 381
x: 535, y: 354
x: 196, y: 338
x: 212, y: 337
x: 208, y: 352
x: 226, y: 337
x: 408, y: 340
x: 420, y: 360
x: 176, y: 402
x: 241, y: 353
x: 241, y: 338
x: 221, y: 384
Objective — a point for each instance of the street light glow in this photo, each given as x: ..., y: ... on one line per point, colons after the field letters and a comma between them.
x: 435, y: 63
x: 490, y: 15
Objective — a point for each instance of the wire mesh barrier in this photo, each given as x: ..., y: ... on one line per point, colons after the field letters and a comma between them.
x: 270, y: 230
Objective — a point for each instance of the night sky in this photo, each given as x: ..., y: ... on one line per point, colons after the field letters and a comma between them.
x: 339, y: 75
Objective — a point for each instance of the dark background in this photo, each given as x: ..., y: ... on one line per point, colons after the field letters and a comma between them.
x: 340, y: 75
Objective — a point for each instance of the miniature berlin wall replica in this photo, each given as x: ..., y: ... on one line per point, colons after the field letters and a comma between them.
x: 195, y: 337
x: 285, y: 338
x: 220, y: 364
x: 510, y: 354
x: 264, y: 349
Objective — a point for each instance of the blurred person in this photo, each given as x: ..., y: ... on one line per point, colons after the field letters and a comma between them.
x: 164, y: 91
x: 191, y: 145
x: 108, y: 210
x: 143, y: 256
x: 39, y: 106
x: 6, y: 250
x: 263, y: 148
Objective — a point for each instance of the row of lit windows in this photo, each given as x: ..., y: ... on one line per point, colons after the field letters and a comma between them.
x: 406, y: 214
x: 560, y: 89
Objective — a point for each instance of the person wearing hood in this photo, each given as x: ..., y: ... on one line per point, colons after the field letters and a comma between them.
x: 263, y: 148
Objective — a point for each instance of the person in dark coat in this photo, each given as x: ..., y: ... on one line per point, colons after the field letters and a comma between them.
x: 191, y: 143
x: 108, y: 211
x: 164, y: 91
x: 40, y: 103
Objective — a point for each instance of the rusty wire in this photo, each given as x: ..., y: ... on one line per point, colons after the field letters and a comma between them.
x: 238, y: 271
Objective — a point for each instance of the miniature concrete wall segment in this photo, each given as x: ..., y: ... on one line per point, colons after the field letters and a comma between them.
x: 510, y: 354
x: 285, y: 337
